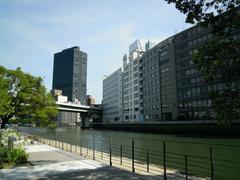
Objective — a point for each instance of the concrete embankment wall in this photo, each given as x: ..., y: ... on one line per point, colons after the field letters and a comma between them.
x: 174, y: 128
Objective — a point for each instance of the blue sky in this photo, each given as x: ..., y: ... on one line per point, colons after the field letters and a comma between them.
x: 31, y: 31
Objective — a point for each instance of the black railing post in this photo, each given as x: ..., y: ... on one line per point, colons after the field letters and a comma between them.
x: 110, y: 153
x: 87, y: 148
x: 211, y: 161
x: 186, y: 167
x: 93, y: 147
x: 101, y: 151
x: 147, y: 161
x: 164, y: 161
x: 133, y: 169
x: 121, y: 154
x: 80, y: 147
x: 71, y: 147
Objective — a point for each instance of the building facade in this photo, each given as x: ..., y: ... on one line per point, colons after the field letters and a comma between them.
x: 70, y: 74
x: 90, y: 100
x: 193, y: 99
x: 132, y: 84
x: 112, y: 97
x: 159, y: 82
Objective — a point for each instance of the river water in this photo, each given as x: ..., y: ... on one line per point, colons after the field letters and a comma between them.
x: 226, y: 151
x: 174, y: 143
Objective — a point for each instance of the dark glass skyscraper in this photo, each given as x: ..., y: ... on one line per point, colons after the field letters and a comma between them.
x: 70, y: 73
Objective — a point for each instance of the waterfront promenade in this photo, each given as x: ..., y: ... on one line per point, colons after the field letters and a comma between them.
x: 51, y: 163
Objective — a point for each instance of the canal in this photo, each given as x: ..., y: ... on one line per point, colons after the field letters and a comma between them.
x: 225, y: 151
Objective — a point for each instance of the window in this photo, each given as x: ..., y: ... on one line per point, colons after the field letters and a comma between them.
x: 165, y: 70
x: 166, y: 105
x: 135, y: 75
x: 163, y: 53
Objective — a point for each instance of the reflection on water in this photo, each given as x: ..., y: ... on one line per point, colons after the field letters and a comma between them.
x: 174, y: 143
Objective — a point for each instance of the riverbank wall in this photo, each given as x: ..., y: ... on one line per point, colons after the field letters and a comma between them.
x: 198, y: 128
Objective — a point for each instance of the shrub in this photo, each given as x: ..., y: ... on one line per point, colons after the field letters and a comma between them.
x: 19, y: 141
x: 15, y: 156
x: 3, y: 154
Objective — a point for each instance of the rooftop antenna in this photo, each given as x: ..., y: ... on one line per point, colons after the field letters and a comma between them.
x: 149, y: 37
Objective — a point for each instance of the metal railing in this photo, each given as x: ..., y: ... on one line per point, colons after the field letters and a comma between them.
x: 146, y: 161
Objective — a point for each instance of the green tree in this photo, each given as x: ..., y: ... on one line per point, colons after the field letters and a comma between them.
x: 24, y: 96
x: 218, y: 59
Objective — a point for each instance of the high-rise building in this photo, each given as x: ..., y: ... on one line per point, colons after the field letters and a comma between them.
x: 193, y: 100
x: 132, y: 84
x: 159, y: 82
x: 70, y: 74
x: 112, y: 97
x: 163, y: 83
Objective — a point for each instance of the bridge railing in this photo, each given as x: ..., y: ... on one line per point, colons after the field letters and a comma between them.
x: 162, y: 162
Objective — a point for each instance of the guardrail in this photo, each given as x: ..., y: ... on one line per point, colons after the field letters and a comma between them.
x: 151, y: 162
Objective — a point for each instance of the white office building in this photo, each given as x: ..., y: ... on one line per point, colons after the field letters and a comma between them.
x: 132, y: 84
x: 112, y: 97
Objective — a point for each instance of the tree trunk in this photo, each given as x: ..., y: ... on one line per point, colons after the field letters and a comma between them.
x: 4, y: 122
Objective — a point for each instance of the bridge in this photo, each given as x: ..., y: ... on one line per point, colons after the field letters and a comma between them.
x: 70, y: 113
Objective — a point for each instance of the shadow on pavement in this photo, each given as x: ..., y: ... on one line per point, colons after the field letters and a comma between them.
x: 102, y: 173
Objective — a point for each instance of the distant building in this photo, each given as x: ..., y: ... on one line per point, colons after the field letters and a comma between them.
x: 65, y: 118
x: 112, y: 97
x: 70, y: 74
x: 90, y: 100
x: 56, y: 92
x: 132, y: 84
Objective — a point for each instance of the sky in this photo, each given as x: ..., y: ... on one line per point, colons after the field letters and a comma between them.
x: 31, y: 31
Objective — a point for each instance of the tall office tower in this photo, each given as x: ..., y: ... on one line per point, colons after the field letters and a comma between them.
x: 112, y: 97
x: 132, y: 84
x: 193, y: 100
x: 70, y: 74
x: 159, y: 82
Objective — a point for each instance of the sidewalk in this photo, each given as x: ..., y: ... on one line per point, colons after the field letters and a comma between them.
x: 51, y: 163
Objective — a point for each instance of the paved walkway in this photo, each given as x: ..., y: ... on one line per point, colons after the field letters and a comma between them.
x: 51, y: 163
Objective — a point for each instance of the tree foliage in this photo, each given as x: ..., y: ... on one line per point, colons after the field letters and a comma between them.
x: 219, y: 62
x: 219, y: 59
x: 206, y: 12
x: 24, y: 96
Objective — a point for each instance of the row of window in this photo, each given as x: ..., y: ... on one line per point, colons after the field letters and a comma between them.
x: 196, y: 91
x: 188, y: 72
x: 109, y: 113
x: 184, y: 64
x: 199, y: 39
x: 150, y: 68
x: 191, y: 115
x: 189, y: 82
x: 151, y: 92
x: 195, y: 103
x: 149, y: 60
